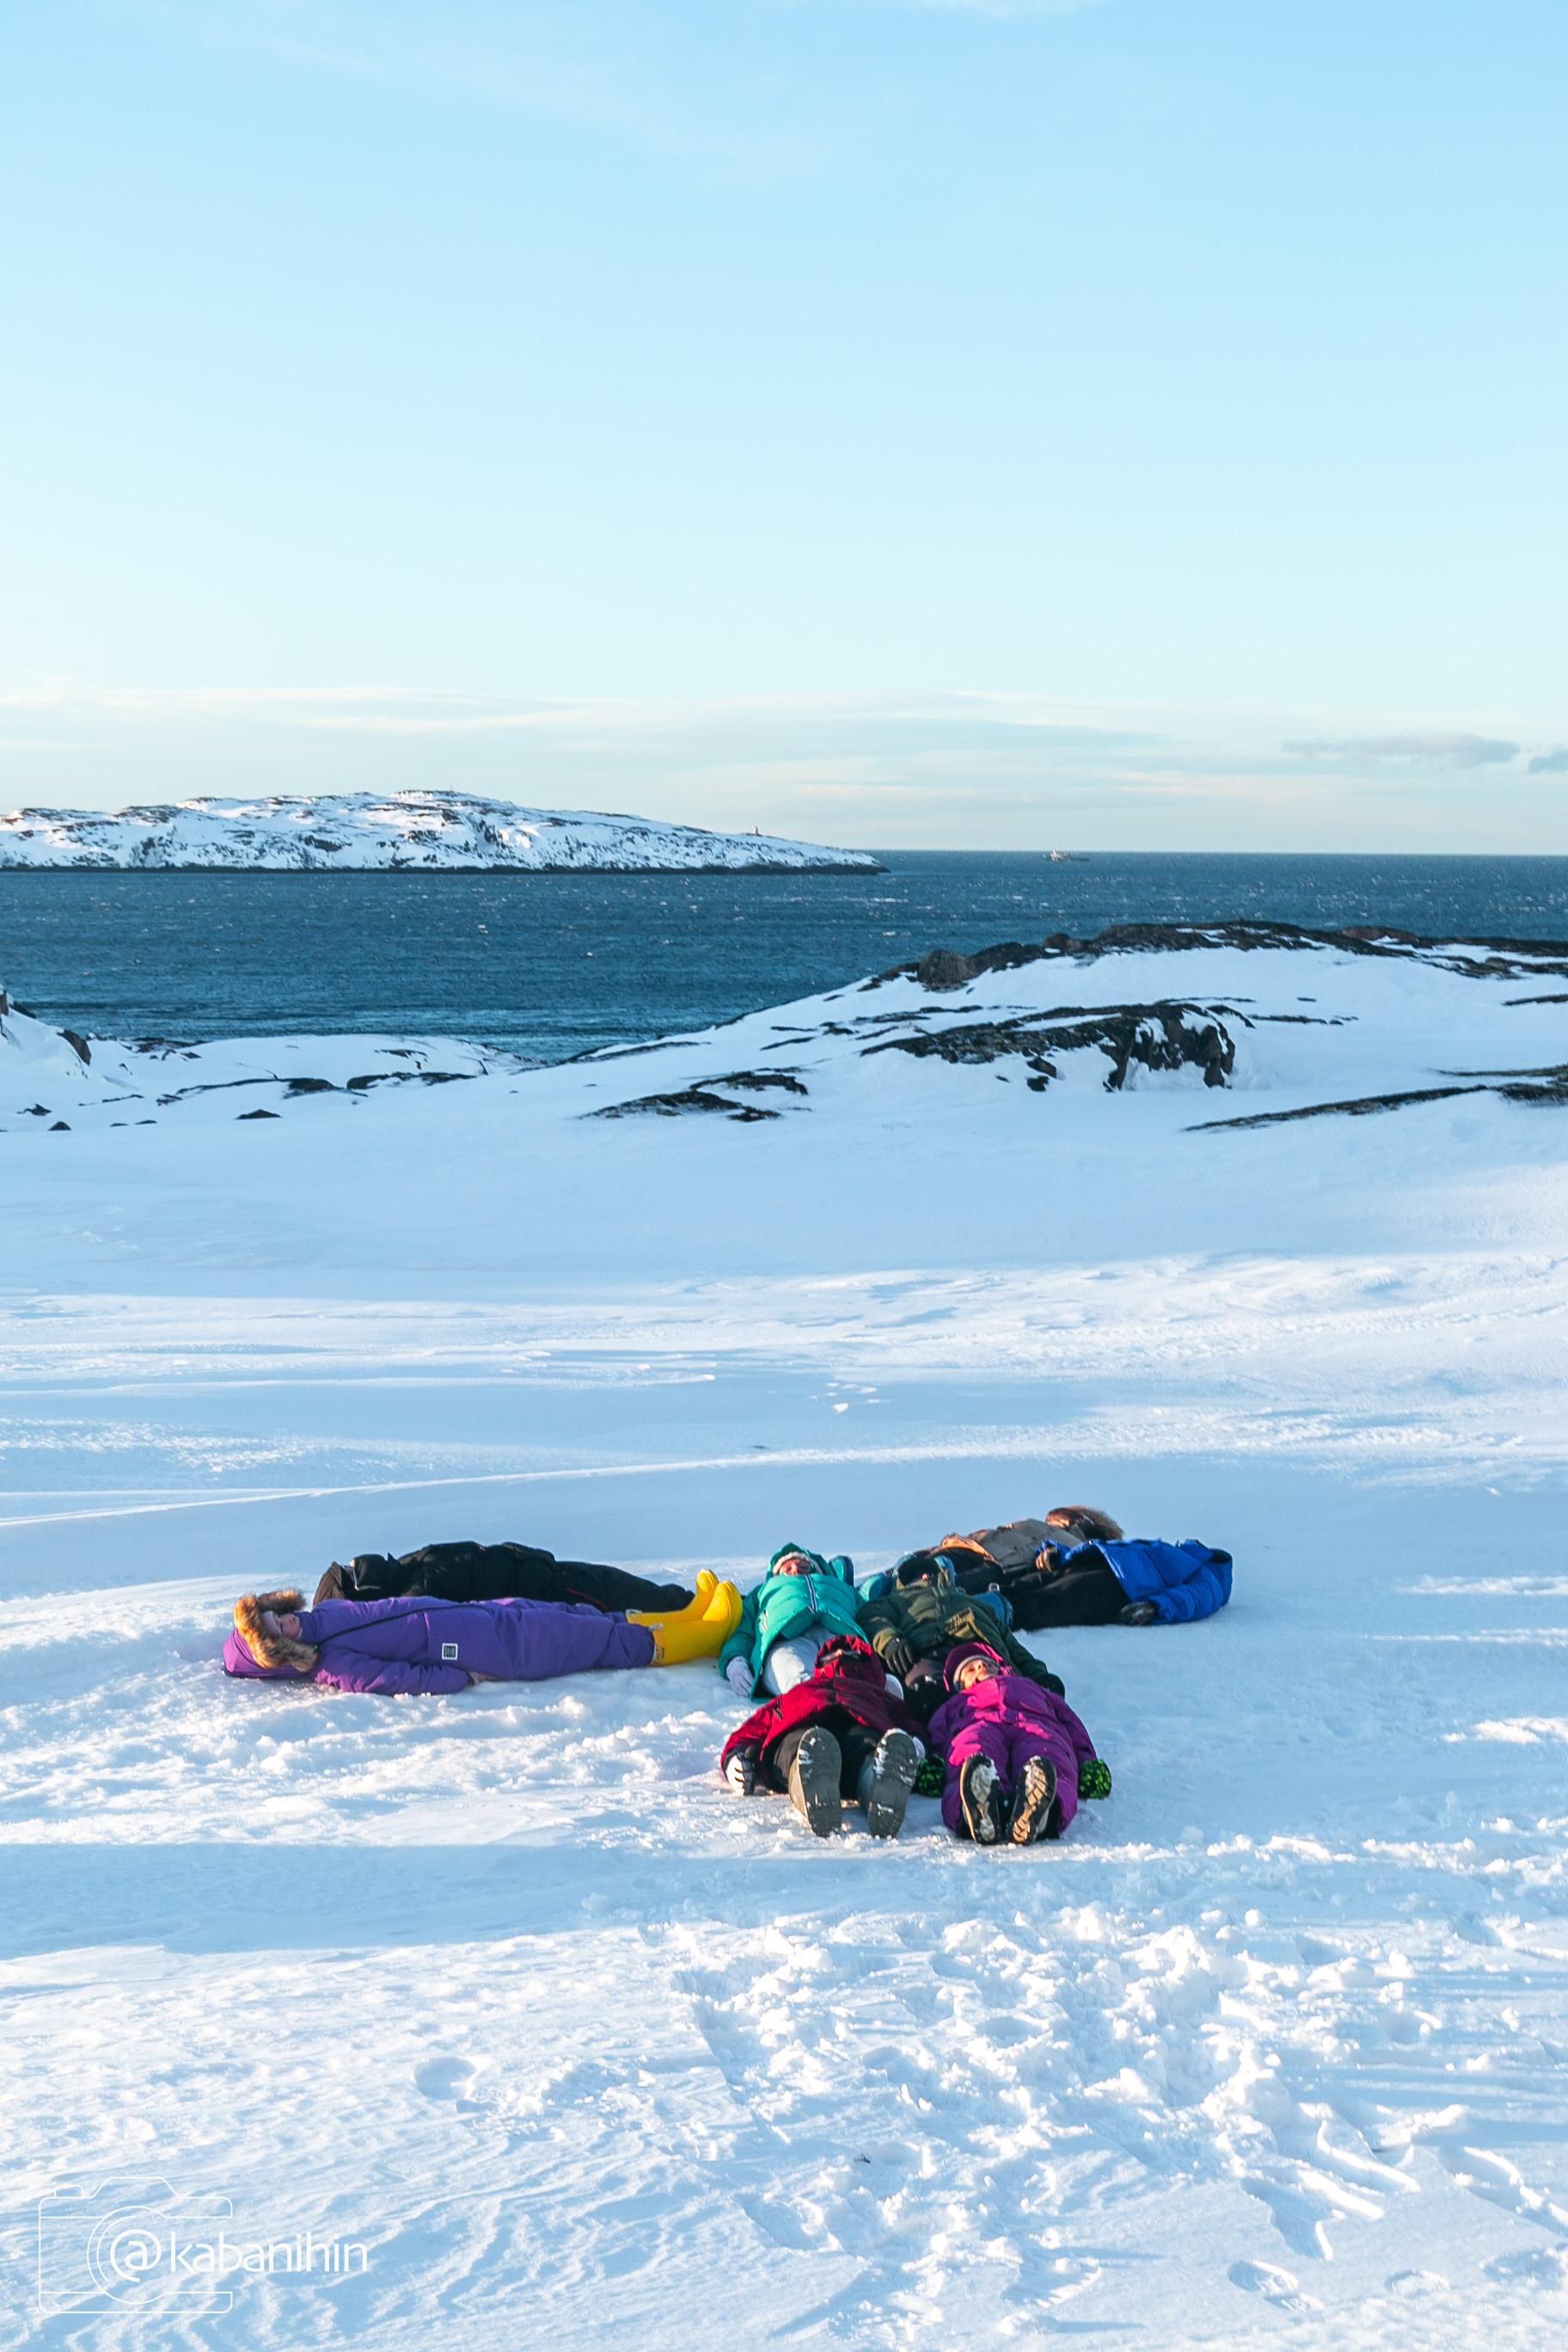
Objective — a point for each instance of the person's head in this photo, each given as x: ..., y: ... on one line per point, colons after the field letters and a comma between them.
x: 794, y: 1564
x: 972, y: 1662
x: 268, y: 1624
x: 924, y: 1567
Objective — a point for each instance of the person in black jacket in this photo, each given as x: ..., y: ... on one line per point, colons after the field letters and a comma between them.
x: 503, y: 1571
x: 924, y: 1615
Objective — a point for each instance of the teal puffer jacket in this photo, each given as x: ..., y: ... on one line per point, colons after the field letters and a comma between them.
x: 783, y: 1606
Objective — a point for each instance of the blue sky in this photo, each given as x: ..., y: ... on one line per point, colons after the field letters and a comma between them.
x: 1133, y: 424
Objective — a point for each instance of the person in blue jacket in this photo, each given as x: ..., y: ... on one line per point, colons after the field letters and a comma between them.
x: 1137, y: 1581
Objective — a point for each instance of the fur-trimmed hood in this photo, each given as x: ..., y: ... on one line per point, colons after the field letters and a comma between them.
x: 251, y: 1649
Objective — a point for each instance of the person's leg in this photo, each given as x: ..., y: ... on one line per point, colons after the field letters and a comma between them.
x: 778, y: 1758
x: 857, y: 1747
x: 1088, y: 1594
x: 517, y: 1571
x: 788, y: 1662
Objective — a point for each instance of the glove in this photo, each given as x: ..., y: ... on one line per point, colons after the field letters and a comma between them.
x: 931, y: 1777
x: 1094, y: 1777
x: 1138, y: 1612
x: 742, y: 1771
x: 898, y: 1658
x: 739, y: 1676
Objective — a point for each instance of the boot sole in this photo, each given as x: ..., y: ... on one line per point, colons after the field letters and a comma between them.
x: 813, y: 1782
x: 890, y: 1787
x: 1034, y: 1804
x: 980, y: 1811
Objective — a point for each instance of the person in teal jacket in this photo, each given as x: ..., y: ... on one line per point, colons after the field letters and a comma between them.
x: 801, y: 1602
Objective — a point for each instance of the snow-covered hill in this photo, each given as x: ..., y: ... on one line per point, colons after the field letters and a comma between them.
x: 1252, y: 1236
x: 399, y: 832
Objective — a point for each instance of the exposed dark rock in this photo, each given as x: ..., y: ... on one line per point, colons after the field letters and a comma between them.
x: 1361, y: 1108
x: 39, y: 1110
x: 253, y: 1113
x: 60, y: 1127
x: 82, y: 1048
x: 688, y: 1099
x: 703, y: 1098
x: 1157, y: 1036
x: 312, y: 1086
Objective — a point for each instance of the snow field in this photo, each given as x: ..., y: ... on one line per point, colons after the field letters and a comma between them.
x: 508, y: 1989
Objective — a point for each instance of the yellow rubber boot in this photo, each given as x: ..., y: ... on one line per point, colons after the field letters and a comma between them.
x: 699, y: 1631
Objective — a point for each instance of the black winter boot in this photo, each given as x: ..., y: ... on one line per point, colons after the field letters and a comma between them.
x: 814, y: 1781
x: 886, y: 1781
x: 1034, y: 1802
x: 980, y: 1794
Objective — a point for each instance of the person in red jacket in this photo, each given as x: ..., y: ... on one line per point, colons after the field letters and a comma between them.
x: 841, y: 1735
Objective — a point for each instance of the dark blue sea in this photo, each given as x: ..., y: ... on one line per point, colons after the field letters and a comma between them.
x: 552, y: 964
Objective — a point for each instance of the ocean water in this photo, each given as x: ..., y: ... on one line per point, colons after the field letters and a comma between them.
x: 553, y: 964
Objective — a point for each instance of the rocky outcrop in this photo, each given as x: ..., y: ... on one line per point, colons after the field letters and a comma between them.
x: 1152, y: 1036
x: 704, y: 1096
x: 944, y: 968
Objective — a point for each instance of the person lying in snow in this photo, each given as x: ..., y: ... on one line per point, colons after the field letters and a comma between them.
x: 1083, y: 1572
x: 1017, y: 1757
x: 841, y: 1735
x: 1003, y: 1565
x: 1133, y: 1583
x: 921, y: 1615
x: 802, y: 1601
x: 424, y: 1644
x: 503, y: 1571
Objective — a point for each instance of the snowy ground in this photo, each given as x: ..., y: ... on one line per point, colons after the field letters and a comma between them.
x: 505, y: 1987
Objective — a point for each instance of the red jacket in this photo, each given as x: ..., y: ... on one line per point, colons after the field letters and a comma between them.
x: 850, y: 1680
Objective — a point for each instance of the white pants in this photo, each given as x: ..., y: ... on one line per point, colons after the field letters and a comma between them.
x: 788, y: 1662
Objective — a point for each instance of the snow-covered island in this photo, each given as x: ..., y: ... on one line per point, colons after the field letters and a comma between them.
x: 408, y: 832
x: 1247, y: 1235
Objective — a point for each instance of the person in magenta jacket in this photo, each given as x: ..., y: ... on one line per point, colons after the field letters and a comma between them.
x: 1017, y: 1756
x: 424, y: 1645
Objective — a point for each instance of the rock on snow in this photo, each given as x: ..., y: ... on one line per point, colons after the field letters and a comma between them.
x: 505, y: 1987
x: 410, y: 832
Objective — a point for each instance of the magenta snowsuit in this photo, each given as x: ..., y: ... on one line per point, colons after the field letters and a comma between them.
x: 1007, y: 1718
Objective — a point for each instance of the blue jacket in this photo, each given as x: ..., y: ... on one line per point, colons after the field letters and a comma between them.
x: 1184, y: 1581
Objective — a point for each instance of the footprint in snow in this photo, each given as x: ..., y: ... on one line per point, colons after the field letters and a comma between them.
x: 444, y: 2078
x: 1277, y: 2287
x: 1543, y: 2266
x: 1409, y: 2284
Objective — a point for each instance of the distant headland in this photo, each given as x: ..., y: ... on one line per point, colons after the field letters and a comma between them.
x: 408, y: 832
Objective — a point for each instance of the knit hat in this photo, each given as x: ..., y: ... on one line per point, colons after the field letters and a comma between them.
x: 271, y: 1652
x: 963, y: 1653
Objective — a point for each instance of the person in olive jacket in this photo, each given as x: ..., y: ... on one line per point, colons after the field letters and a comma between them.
x: 922, y: 1615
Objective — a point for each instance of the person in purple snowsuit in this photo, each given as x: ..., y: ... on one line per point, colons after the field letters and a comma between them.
x: 424, y: 1644
x: 1013, y: 1753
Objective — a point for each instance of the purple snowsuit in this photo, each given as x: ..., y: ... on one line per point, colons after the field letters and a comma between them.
x: 1007, y: 1718
x: 425, y: 1644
